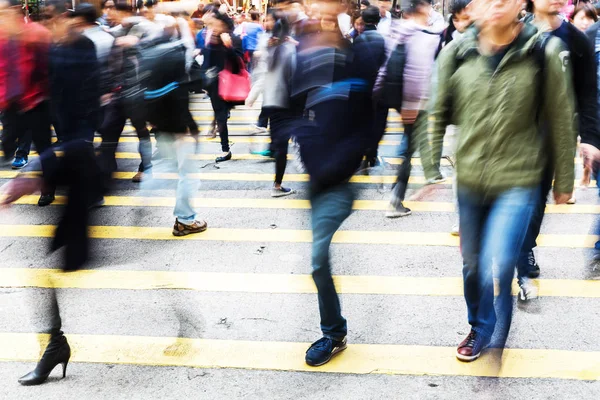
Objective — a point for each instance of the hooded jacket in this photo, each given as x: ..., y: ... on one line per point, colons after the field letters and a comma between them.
x: 500, y: 145
x: 421, y: 47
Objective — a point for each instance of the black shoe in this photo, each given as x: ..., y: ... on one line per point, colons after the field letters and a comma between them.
x: 321, y: 351
x: 533, y: 269
x: 224, y: 157
x: 46, y: 200
x: 57, y: 352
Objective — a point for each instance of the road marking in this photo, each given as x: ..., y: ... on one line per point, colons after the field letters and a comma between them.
x: 284, y: 235
x: 210, y: 157
x: 289, y: 356
x: 268, y: 283
x: 248, y: 177
x: 288, y: 204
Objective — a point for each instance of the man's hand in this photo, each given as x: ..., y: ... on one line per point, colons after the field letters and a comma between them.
x: 409, y: 116
x: 562, y: 198
x: 589, y: 154
x: 18, y: 188
x: 226, y: 39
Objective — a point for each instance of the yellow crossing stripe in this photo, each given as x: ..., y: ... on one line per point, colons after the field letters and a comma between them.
x: 289, y: 356
x: 211, y: 157
x: 284, y: 235
x: 268, y: 283
x: 251, y: 177
x: 287, y: 204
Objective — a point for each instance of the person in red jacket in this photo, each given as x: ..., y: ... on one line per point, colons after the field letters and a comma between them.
x: 24, y: 88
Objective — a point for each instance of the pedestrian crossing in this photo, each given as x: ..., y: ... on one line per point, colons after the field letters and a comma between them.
x: 383, y: 269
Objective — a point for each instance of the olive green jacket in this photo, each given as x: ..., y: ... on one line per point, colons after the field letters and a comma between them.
x: 501, y: 144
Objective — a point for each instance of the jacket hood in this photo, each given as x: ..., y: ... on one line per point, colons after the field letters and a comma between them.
x: 523, y: 45
x: 407, y: 29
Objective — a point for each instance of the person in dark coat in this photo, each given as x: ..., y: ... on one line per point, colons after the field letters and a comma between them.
x: 76, y: 99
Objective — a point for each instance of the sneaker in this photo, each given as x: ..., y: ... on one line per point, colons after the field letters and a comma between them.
x: 257, y: 130
x: 281, y: 192
x: 470, y: 349
x: 321, y: 351
x: 438, y: 179
x: 455, y: 231
x: 180, y: 229
x: 572, y: 200
x: 19, y: 162
x: 533, y: 269
x: 264, y: 153
x: 528, y: 290
x: 141, y: 176
x: 398, y: 211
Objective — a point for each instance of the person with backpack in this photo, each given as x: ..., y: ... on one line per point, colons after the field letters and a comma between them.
x: 121, y: 105
x: 499, y: 83
x: 546, y: 17
x: 406, y: 87
x: 275, y: 84
x: 371, y: 44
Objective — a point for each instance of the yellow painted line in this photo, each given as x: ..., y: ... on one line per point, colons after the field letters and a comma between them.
x: 248, y: 177
x: 289, y: 204
x: 289, y: 356
x: 284, y: 235
x: 268, y: 283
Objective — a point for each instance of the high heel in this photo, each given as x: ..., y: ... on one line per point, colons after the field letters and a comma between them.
x: 57, y: 352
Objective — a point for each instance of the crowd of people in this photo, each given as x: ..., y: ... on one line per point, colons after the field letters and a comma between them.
x: 517, y: 83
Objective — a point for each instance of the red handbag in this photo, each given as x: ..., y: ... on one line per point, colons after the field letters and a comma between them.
x: 234, y: 88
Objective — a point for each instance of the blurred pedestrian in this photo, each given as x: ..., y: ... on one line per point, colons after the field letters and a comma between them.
x: 24, y: 88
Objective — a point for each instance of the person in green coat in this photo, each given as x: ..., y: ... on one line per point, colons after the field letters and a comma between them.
x: 508, y: 88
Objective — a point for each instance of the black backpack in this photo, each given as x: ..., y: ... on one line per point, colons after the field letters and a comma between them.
x: 393, y: 84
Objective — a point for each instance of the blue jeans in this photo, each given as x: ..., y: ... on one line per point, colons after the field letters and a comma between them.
x: 329, y: 209
x: 492, y: 230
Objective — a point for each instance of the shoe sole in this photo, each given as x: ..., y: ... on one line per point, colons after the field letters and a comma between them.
x: 283, y: 194
x: 533, y: 275
x: 333, y: 353
x: 468, y: 358
x: 397, y: 215
x: 13, y: 167
x: 186, y: 232
x: 453, y: 233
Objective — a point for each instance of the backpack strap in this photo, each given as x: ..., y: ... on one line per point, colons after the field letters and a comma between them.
x: 539, y: 55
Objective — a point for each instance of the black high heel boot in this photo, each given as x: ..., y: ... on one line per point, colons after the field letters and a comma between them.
x: 57, y: 352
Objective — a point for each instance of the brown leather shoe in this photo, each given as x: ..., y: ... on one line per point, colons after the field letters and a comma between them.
x: 180, y: 229
x: 141, y: 176
x: 470, y: 349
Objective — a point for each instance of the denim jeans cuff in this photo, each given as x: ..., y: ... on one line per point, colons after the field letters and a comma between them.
x: 482, y: 332
x: 337, y: 338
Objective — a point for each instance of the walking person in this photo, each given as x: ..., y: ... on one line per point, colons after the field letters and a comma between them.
x: 421, y: 42
x: 76, y: 96
x: 24, y: 88
x: 485, y: 80
x: 332, y: 135
x: 585, y: 85
x: 222, y: 49
x: 276, y: 88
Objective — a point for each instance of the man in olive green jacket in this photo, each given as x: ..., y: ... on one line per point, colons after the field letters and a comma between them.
x: 514, y: 106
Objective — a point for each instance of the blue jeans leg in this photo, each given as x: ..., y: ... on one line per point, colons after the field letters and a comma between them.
x: 186, y: 186
x: 492, y: 232
x: 329, y: 209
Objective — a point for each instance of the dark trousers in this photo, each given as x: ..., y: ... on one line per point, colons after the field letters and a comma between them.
x: 281, y: 124
x: 21, y: 128
x: 329, y: 209
x: 115, y: 117
x: 263, y: 118
x: 221, y: 109
x: 379, y: 125
x: 535, y: 225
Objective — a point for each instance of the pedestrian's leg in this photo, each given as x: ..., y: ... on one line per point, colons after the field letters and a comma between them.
x: 503, y: 236
x: 185, y: 214
x: 111, y: 130
x: 10, y: 132
x: 378, y: 130
x: 144, y: 148
x: 526, y: 265
x: 38, y: 120
x: 280, y: 133
x: 329, y: 209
